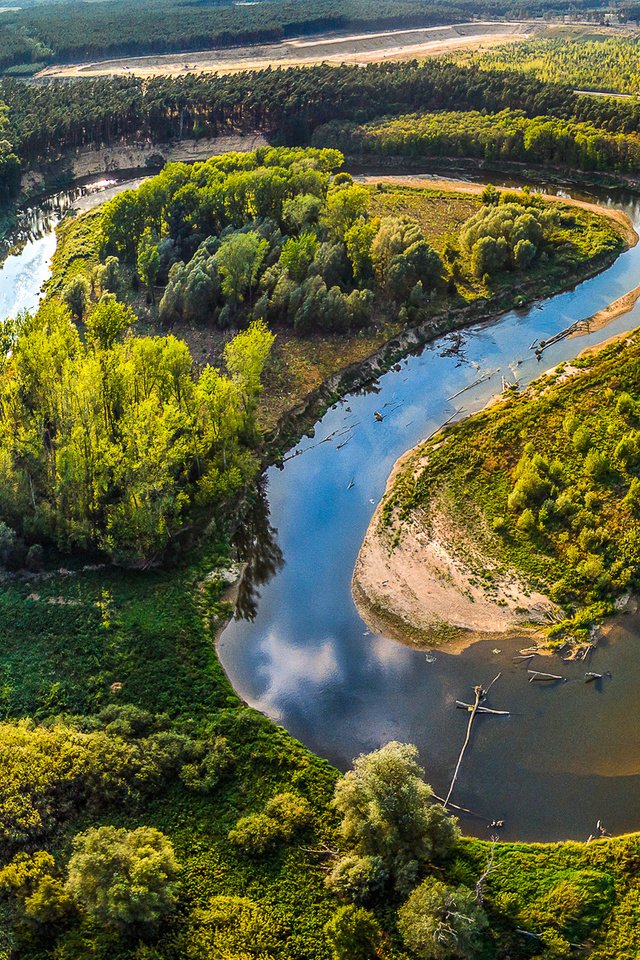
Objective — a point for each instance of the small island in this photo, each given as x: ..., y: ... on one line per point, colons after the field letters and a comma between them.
x: 524, y: 517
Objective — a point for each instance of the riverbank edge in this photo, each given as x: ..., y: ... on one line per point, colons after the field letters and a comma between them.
x: 441, y: 634
x: 301, y: 418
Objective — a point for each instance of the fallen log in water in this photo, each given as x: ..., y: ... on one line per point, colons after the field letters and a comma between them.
x: 538, y: 675
x: 461, y: 705
x: 480, y: 695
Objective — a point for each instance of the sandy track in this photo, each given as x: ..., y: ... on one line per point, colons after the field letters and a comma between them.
x: 329, y: 48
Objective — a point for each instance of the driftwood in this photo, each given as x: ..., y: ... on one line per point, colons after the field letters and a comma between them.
x: 526, y: 656
x: 480, y: 694
x: 538, y: 675
x: 476, y: 383
x: 461, y: 705
x: 590, y: 677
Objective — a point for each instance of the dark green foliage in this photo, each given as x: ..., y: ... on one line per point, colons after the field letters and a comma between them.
x: 442, y: 923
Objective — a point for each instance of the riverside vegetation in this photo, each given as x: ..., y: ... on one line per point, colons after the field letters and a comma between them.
x: 547, y: 484
x: 146, y: 813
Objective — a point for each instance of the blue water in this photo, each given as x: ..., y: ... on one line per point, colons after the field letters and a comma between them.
x: 568, y: 755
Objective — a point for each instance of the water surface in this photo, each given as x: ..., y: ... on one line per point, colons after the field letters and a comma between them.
x: 569, y: 755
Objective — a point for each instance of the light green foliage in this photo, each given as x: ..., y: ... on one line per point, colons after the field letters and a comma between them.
x: 297, y: 255
x: 232, y: 927
x: 359, y: 240
x: 505, y: 135
x: 387, y: 813
x: 345, y: 205
x: 148, y: 260
x: 123, y: 877
x: 124, y: 438
x: 239, y: 260
x: 281, y: 819
x: 442, y: 923
x: 354, y: 934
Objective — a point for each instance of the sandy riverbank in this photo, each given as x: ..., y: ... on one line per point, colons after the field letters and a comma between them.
x: 304, y: 51
x: 89, y: 162
x: 422, y: 589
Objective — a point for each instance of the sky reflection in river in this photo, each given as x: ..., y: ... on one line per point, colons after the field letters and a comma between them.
x: 568, y: 755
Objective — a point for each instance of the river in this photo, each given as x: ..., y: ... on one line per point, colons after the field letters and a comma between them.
x: 568, y: 755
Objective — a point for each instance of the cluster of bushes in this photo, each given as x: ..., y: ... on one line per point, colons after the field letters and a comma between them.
x: 275, y: 234
x: 49, y: 770
x: 504, y: 235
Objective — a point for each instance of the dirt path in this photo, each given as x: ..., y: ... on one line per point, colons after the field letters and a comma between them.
x: 329, y: 48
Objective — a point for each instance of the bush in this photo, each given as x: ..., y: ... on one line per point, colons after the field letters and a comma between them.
x: 353, y: 934
x: 123, y: 877
x: 283, y: 816
x: 386, y: 813
x: 360, y: 879
x: 439, y: 922
x: 230, y: 928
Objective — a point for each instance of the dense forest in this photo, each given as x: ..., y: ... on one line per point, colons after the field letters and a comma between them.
x: 508, y: 135
x: 288, y: 104
x: 71, y: 31
x: 589, y: 63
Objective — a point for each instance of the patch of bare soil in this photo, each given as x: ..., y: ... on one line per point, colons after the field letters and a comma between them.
x: 423, y: 587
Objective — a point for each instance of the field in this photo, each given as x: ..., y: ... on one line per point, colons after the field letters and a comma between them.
x: 330, y: 48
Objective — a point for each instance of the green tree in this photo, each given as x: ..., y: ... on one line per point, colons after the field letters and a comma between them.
x: 108, y: 321
x: 123, y: 877
x: 442, y: 923
x: 76, y: 295
x: 353, y: 933
x: 148, y: 261
x: 239, y: 260
x: 387, y: 812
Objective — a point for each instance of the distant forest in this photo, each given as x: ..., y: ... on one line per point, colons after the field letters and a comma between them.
x: 75, y: 31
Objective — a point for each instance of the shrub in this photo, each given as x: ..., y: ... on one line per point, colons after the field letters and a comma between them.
x: 360, y: 879
x: 353, y: 934
x: 122, y: 877
x: 283, y: 816
x: 386, y: 813
x: 439, y: 922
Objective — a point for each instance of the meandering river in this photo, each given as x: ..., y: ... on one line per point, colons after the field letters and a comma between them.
x: 569, y: 754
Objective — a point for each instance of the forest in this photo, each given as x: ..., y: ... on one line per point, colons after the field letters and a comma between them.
x: 507, y: 135
x: 71, y: 31
x: 609, y: 64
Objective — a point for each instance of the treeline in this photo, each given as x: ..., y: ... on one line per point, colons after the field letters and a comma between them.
x: 508, y: 135
x: 288, y: 103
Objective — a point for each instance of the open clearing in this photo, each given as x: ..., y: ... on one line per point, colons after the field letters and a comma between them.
x: 328, y: 48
